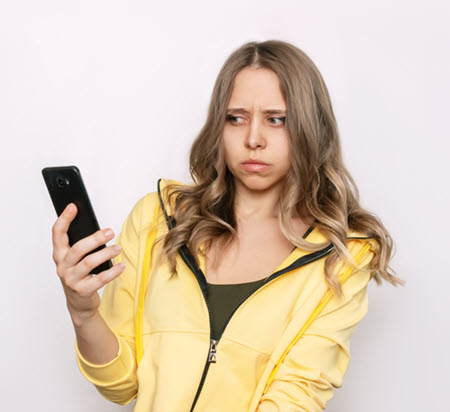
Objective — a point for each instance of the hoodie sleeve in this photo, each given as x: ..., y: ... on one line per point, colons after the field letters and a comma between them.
x: 117, y: 380
x: 318, y: 361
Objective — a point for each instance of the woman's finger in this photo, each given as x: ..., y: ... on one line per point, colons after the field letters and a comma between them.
x: 83, y: 268
x: 92, y: 283
x: 81, y: 248
x: 60, y: 239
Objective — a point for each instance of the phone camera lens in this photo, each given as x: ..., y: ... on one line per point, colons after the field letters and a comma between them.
x: 61, y: 181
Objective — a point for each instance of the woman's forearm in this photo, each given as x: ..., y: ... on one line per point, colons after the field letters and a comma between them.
x: 96, y: 342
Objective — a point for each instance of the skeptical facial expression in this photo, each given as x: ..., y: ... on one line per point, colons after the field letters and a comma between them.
x: 255, y: 130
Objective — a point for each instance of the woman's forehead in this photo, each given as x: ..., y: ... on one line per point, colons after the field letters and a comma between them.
x: 257, y: 89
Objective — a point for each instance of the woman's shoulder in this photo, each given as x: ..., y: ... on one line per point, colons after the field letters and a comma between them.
x: 144, y: 208
x: 363, y: 239
x: 356, y: 240
x: 150, y: 198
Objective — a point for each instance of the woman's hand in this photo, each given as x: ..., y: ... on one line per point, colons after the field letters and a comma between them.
x: 73, y: 266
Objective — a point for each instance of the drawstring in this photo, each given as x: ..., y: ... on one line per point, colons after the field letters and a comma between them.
x: 142, y: 288
x: 327, y: 297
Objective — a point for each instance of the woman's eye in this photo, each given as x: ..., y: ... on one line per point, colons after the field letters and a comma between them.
x: 232, y: 118
x: 274, y: 120
x: 280, y: 119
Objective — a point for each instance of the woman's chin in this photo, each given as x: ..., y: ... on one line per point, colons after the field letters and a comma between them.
x: 256, y: 182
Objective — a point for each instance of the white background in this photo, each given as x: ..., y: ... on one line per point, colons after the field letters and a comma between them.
x: 121, y: 88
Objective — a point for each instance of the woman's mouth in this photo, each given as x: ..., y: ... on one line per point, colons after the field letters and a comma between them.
x: 254, y: 166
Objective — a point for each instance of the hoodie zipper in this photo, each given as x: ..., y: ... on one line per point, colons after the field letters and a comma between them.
x: 214, y: 340
x: 201, y: 279
x: 190, y: 262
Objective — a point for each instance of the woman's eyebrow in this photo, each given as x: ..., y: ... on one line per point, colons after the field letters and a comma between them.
x: 241, y: 110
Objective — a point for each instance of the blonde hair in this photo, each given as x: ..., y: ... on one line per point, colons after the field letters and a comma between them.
x: 318, y: 187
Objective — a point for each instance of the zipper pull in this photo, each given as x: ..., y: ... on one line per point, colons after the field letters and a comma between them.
x: 212, y: 351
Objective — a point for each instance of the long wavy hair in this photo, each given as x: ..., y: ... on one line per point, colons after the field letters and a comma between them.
x: 318, y: 187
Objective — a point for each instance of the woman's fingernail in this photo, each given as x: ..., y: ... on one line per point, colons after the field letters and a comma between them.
x: 109, y: 233
x: 70, y: 207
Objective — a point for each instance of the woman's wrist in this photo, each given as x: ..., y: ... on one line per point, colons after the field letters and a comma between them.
x: 81, y: 318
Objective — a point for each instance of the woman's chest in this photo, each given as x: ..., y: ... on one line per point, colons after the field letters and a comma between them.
x: 253, y: 256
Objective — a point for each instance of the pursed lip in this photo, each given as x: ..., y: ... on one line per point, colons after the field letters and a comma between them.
x: 255, y: 162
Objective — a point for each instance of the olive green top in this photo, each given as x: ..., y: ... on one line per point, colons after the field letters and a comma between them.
x: 224, y: 298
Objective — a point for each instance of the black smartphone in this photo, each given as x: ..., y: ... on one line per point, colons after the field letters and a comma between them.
x: 65, y: 185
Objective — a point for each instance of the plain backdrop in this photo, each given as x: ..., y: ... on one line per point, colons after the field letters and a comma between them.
x: 121, y: 89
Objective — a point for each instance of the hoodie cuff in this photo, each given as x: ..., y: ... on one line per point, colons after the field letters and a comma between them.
x: 110, y: 373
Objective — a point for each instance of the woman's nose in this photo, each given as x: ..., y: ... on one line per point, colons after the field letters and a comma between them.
x: 254, y: 136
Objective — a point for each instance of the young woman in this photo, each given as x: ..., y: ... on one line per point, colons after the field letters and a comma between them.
x: 241, y: 291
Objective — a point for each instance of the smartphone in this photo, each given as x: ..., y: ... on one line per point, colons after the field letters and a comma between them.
x: 65, y: 185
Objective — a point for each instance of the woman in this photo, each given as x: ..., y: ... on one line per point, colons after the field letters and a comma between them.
x: 241, y: 291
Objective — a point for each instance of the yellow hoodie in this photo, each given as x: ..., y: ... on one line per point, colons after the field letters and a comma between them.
x: 285, y: 348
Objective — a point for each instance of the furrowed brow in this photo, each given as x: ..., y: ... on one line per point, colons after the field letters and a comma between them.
x: 237, y: 110
x: 274, y: 111
x: 241, y: 110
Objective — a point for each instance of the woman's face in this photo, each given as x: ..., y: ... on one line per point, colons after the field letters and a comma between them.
x: 255, y: 130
